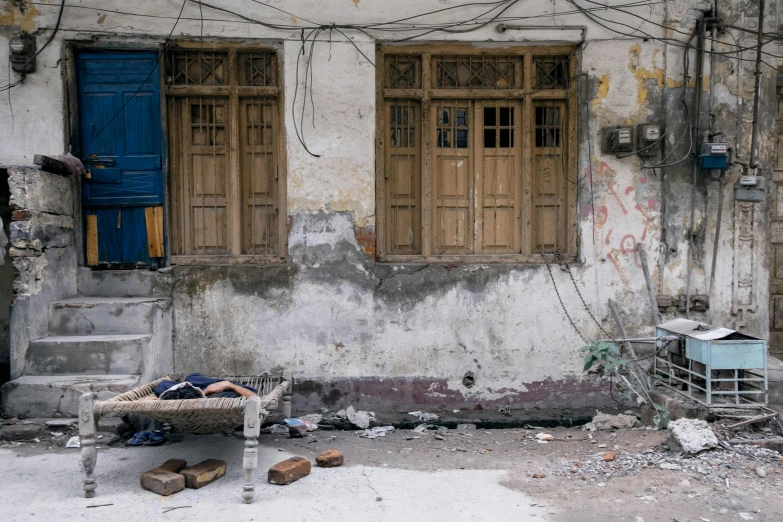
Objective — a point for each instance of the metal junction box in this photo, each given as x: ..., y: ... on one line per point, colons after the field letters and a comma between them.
x: 714, y: 156
x: 731, y: 364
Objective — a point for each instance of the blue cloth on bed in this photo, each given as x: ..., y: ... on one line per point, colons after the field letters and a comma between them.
x: 199, y: 381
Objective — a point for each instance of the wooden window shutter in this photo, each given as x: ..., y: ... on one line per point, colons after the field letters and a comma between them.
x: 403, y: 176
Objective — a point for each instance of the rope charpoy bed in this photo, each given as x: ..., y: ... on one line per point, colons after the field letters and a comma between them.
x: 198, y: 416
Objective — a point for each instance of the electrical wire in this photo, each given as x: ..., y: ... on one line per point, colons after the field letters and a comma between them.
x: 44, y: 46
x: 143, y: 83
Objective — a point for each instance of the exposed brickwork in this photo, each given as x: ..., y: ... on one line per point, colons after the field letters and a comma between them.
x: 365, y: 236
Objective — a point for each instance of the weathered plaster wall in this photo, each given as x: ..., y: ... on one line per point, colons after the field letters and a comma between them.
x: 43, y: 253
x: 397, y: 336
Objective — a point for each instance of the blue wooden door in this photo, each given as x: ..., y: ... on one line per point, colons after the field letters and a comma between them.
x: 121, y: 136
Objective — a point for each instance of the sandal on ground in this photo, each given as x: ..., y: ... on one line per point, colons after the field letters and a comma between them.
x: 139, y: 439
x: 155, y: 439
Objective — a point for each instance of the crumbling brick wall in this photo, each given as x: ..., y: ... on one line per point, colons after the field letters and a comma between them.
x: 42, y: 250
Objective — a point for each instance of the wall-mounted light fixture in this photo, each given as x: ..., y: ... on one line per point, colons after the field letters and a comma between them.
x: 22, y: 53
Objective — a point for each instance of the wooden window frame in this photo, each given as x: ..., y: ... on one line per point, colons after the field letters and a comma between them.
x: 234, y: 93
x: 527, y: 95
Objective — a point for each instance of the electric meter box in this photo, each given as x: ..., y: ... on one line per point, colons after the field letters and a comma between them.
x: 750, y: 193
x: 648, y: 139
x: 714, y: 156
x: 618, y: 140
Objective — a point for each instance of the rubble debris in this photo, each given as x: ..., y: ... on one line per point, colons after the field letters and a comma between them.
x: 604, y: 421
x: 692, y: 435
x: 313, y: 418
x: 543, y: 438
x: 425, y: 416
x: 608, y: 457
x: 466, y: 426
x: 670, y: 466
x: 359, y: 418
x: 204, y: 473
x: 761, y: 472
x: 278, y: 429
x: 421, y: 428
x: 289, y: 470
x: 74, y: 442
x: 374, y: 433
x: 745, y: 516
x: 329, y: 459
x: 298, y: 428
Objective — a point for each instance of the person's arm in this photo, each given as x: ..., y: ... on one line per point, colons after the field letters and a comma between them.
x: 223, y: 386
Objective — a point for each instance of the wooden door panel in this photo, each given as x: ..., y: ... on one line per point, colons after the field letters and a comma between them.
x: 402, y: 136
x: 452, y: 178
x: 549, y: 128
x: 499, y: 161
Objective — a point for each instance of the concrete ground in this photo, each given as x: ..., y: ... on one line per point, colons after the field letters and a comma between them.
x: 40, y: 484
x: 437, y: 475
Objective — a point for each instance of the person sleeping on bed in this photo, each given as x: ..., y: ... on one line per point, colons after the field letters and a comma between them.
x: 198, y: 386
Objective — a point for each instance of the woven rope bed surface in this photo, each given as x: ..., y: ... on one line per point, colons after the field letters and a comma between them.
x: 195, y: 415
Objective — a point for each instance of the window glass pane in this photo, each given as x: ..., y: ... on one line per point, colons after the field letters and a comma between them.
x: 506, y: 138
x: 444, y: 140
x: 489, y: 117
x: 490, y: 138
x: 462, y: 139
x: 506, y: 115
x: 462, y: 117
x: 443, y: 116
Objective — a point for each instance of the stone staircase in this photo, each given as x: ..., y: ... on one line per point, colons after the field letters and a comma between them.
x: 95, y: 342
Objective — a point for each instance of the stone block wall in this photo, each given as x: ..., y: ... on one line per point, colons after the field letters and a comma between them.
x: 43, y: 252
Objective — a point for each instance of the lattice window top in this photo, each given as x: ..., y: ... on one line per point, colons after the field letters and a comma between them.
x: 199, y: 68
x: 551, y: 72
x: 259, y: 69
x: 478, y: 72
x: 403, y: 71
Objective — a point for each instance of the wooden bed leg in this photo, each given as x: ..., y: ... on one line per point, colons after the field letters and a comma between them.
x: 288, y: 394
x: 250, y: 461
x: 87, y: 430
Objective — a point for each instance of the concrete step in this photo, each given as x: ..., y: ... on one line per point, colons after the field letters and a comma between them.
x: 104, y: 315
x: 58, y: 395
x: 86, y: 354
x: 121, y: 283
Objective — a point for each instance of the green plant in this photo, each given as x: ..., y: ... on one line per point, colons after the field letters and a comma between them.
x: 605, y: 358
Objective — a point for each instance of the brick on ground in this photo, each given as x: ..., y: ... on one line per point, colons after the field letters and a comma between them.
x: 204, y: 473
x: 289, y: 470
x: 164, y: 480
x: 329, y: 459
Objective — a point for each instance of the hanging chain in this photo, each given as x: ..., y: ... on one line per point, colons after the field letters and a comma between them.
x: 584, y: 303
x: 565, y: 311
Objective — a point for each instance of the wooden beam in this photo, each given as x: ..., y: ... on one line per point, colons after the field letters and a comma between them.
x: 651, y: 293
x: 628, y: 346
x: 51, y: 165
